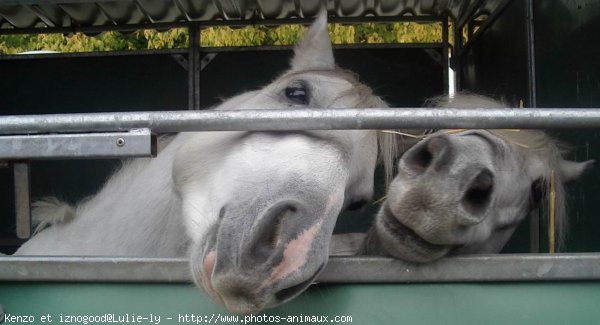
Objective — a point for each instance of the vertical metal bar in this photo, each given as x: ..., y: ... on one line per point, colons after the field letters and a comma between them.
x: 456, y: 57
x: 534, y: 220
x: 531, y: 56
x: 534, y: 231
x: 22, y: 207
x: 194, y: 68
x: 445, y: 53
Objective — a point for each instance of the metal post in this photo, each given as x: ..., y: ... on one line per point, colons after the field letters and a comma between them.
x: 456, y: 57
x: 531, y: 56
x: 534, y: 220
x: 445, y: 52
x: 194, y: 68
x: 22, y: 195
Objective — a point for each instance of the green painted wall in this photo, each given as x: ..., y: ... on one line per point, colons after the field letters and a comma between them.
x: 492, y: 303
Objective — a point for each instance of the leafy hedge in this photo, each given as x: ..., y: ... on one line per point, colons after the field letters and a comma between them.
x: 219, y: 36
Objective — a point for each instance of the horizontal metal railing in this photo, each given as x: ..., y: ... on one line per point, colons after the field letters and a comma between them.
x: 304, y: 119
x: 360, y: 269
x: 528, y: 267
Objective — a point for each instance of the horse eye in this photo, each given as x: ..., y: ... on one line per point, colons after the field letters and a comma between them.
x: 297, y: 94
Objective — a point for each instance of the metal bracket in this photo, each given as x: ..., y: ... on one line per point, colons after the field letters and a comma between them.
x: 207, y: 59
x: 435, y: 56
x: 136, y: 143
x: 181, y: 60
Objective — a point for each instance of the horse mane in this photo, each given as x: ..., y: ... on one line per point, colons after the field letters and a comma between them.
x: 50, y: 211
x: 527, y: 143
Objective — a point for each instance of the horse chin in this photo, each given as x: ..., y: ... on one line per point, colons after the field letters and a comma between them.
x: 240, y: 297
x: 288, y: 293
x: 402, y: 242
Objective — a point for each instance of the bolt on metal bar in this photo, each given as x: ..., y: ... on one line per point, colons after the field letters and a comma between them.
x: 304, y: 119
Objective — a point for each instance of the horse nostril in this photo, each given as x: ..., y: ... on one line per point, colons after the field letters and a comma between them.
x: 420, y: 159
x: 423, y: 156
x: 479, y: 192
x: 269, y: 229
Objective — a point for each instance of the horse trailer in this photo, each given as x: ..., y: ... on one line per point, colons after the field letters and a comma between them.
x: 66, y: 115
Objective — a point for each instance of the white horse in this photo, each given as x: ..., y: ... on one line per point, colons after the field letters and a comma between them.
x: 258, y: 208
x: 466, y: 191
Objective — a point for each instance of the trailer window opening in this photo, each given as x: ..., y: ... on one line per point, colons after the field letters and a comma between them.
x: 218, y: 36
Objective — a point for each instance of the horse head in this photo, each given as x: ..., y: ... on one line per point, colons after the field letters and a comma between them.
x: 465, y: 191
x: 270, y: 200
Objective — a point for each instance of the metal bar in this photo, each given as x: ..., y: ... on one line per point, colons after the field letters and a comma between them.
x: 491, y: 268
x: 445, y: 62
x: 181, y: 51
x: 534, y: 221
x: 488, y: 22
x: 206, y: 60
x: 531, y: 56
x: 41, y: 15
x: 28, y: 2
x: 304, y: 119
x: 456, y: 59
x: 194, y: 68
x: 534, y: 231
x: 335, y: 46
x: 22, y: 196
x: 105, y: 13
x: 181, y: 9
x: 468, y: 14
x: 182, y: 24
x: 359, y: 269
x: 92, y: 54
x: 143, y: 10
x: 87, y: 145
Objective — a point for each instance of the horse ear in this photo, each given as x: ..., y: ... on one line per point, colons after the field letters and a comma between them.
x: 570, y: 171
x: 314, y: 51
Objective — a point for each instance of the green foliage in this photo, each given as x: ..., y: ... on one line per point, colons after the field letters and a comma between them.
x: 171, y: 39
x: 220, y: 36
x: 340, y: 34
x: 107, y: 41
